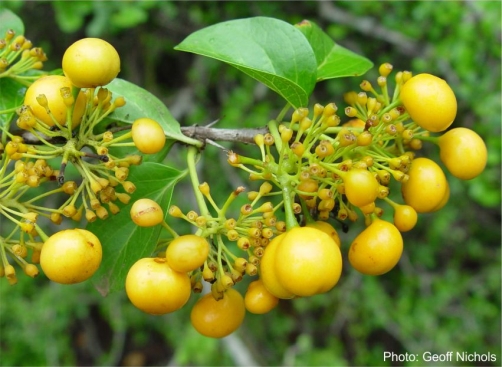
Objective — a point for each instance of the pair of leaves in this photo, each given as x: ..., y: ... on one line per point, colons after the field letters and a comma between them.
x: 288, y: 59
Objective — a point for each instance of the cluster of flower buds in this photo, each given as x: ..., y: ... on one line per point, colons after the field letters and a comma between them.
x: 17, y: 55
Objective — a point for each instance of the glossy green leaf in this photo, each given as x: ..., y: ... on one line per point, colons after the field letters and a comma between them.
x: 141, y: 103
x: 9, y: 20
x: 333, y: 60
x: 11, y: 96
x: 269, y: 50
x: 123, y: 241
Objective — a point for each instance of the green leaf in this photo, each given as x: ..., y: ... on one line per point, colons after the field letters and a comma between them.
x: 267, y: 49
x: 9, y: 20
x: 11, y: 96
x: 141, y: 103
x: 333, y: 60
x: 123, y: 241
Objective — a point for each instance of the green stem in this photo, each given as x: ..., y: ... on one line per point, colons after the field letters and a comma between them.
x: 47, y: 193
x: 25, y: 80
x: 281, y: 114
x: 39, y: 137
x: 390, y: 202
x: 226, y: 205
x: 227, y: 252
x: 4, y: 179
x: 288, y: 195
x: 169, y: 229
x: 250, y: 161
x: 41, y: 233
x: 31, y: 78
x: 306, y: 212
x: 35, y: 156
x: 191, y: 162
x: 5, y: 164
x: 5, y: 211
x: 75, y: 93
x: 3, y: 256
x: 118, y: 139
x: 43, y: 208
x: 274, y: 130
x: 9, y: 110
x: 390, y: 106
x: 431, y: 139
x: 385, y: 93
x: 220, y: 247
x: 16, y: 191
x: 130, y: 144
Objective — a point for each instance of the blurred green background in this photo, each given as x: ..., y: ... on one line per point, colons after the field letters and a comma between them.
x: 443, y: 296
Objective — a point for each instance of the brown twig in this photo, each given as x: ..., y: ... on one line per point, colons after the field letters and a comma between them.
x: 204, y: 133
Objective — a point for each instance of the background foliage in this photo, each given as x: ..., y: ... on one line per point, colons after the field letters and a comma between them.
x: 443, y: 296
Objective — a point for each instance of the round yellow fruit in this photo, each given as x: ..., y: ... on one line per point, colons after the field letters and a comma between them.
x: 50, y: 86
x: 91, y: 63
x: 430, y: 102
x: 71, y: 256
x: 155, y: 288
x: 377, y: 249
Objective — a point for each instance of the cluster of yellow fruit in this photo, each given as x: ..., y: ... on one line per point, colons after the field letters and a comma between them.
x: 324, y: 169
x: 164, y: 283
x: 62, y: 112
x: 343, y: 170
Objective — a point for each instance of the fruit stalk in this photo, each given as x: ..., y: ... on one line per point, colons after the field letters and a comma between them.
x: 194, y: 179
